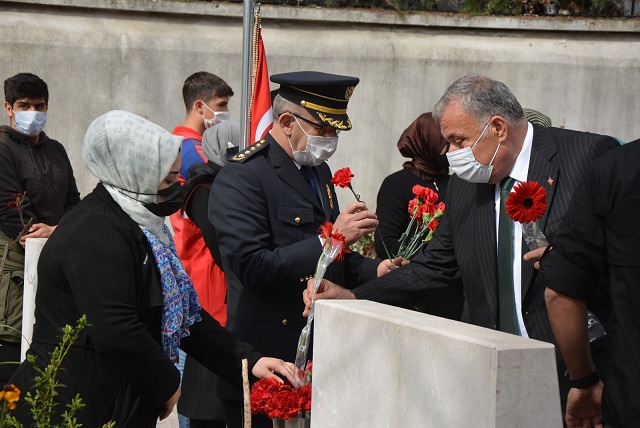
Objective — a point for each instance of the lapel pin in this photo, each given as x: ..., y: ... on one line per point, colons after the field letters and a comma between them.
x: 550, y: 181
x: 330, y: 196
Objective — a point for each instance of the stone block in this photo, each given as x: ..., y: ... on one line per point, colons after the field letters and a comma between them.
x: 380, y: 366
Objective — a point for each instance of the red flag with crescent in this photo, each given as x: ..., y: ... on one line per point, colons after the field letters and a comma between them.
x: 261, y: 120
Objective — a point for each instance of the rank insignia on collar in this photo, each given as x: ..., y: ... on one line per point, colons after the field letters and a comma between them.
x: 330, y: 196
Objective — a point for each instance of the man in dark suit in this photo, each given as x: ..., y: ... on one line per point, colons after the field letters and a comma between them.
x: 267, y: 205
x: 600, y: 238
x: 490, y: 141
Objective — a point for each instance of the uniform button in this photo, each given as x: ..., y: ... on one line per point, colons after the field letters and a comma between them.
x: 284, y: 322
x: 297, y: 220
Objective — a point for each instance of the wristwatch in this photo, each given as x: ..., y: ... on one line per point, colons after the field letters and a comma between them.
x: 584, y: 382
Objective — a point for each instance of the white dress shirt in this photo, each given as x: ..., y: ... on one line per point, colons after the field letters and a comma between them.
x: 519, y: 174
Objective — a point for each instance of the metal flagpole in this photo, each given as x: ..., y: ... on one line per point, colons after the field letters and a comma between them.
x: 247, y: 38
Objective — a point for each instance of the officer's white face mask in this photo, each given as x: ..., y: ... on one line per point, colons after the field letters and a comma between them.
x: 464, y: 164
x: 318, y: 149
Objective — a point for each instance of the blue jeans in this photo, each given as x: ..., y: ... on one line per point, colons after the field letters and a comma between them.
x: 183, y: 421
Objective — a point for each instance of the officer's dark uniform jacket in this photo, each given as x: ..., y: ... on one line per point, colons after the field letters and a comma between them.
x: 267, y: 219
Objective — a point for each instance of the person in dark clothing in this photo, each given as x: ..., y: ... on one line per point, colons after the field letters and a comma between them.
x: 199, y: 400
x: 267, y: 205
x: 428, y: 167
x: 492, y: 146
x: 36, y: 170
x: 114, y: 260
x: 599, y: 238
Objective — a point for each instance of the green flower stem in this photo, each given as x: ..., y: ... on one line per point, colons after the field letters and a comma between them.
x: 386, y: 250
x: 405, y: 234
x: 3, y: 414
x: 355, y: 194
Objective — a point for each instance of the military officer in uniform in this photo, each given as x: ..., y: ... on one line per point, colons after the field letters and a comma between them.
x: 267, y: 206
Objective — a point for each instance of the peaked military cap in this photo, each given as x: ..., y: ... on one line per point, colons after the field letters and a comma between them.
x: 324, y: 95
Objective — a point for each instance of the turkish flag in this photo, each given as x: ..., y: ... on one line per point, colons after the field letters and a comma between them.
x: 261, y: 120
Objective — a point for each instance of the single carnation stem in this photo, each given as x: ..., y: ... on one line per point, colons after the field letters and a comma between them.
x: 386, y: 250
x: 355, y: 194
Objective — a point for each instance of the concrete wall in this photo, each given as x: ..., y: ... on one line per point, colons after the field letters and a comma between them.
x: 99, y: 55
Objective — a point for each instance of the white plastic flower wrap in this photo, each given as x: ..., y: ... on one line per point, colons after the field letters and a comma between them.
x: 334, y: 248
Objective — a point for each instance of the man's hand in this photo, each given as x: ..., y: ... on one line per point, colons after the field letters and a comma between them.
x: 38, y: 230
x: 356, y: 220
x: 168, y: 406
x: 387, y: 265
x: 535, y: 255
x: 583, y: 407
x: 267, y: 367
x: 326, y: 290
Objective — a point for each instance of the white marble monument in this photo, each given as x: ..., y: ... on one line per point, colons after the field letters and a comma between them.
x: 32, y: 249
x: 380, y: 366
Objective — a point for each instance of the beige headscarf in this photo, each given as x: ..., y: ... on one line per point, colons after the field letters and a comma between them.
x: 131, y: 156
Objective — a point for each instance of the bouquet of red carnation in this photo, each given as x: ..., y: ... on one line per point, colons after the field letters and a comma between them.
x: 279, y: 400
x: 425, y: 217
x: 526, y: 204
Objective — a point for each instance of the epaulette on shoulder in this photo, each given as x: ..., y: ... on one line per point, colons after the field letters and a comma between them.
x: 250, y: 151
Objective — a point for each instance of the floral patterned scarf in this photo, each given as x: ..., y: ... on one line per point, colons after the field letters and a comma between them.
x: 180, y: 307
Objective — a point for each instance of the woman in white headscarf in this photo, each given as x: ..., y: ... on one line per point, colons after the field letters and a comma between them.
x: 114, y: 260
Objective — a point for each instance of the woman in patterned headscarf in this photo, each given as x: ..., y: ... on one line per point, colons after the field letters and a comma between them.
x: 428, y: 167
x: 114, y: 260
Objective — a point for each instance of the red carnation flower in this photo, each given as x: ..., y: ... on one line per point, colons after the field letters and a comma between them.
x: 433, y: 224
x: 262, y: 393
x: 427, y: 195
x: 334, y: 237
x: 280, y: 400
x: 342, y: 178
x: 527, y: 202
x: 326, y: 229
x: 413, y: 203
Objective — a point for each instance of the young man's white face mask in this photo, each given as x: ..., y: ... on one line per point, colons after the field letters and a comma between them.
x: 29, y: 123
x: 218, y: 116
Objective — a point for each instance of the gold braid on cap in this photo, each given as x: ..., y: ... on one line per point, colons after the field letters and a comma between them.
x: 323, y: 109
x: 334, y: 122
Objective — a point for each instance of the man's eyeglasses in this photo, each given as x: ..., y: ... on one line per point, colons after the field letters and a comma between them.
x: 323, y: 130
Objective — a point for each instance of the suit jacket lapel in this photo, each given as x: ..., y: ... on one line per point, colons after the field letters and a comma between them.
x: 288, y: 171
x: 545, y: 174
